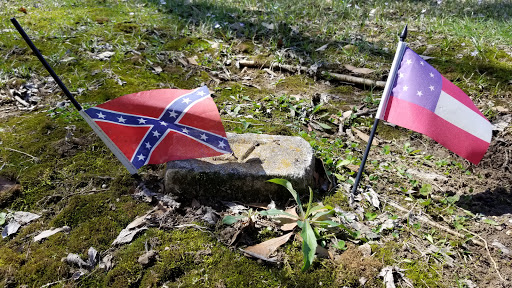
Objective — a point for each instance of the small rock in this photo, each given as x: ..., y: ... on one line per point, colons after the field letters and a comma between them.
x: 104, y: 56
x: 106, y: 262
x: 365, y: 249
x: 76, y: 260
x: 502, y: 247
x: 10, y: 229
x: 147, y: 258
x: 210, y: 216
x: 47, y: 233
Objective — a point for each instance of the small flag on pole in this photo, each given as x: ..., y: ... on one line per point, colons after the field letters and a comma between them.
x: 424, y: 101
x: 152, y: 127
x: 158, y: 126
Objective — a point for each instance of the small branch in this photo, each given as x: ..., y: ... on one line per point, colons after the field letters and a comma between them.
x: 21, y: 101
x: 301, y: 69
x: 355, y: 80
x: 53, y: 283
x: 434, y: 224
x: 21, y: 152
x: 488, y: 252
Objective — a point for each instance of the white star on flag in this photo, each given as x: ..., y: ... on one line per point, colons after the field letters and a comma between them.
x: 201, y: 93
x: 148, y: 145
x: 173, y: 114
x: 419, y: 93
x: 156, y: 134
x: 163, y: 123
x: 405, y: 88
x: 142, y: 121
x: 141, y: 157
x: 431, y: 87
x: 203, y: 137
x: 431, y: 75
x: 400, y: 75
x: 409, y: 62
x: 186, y: 100
x: 184, y: 130
x: 221, y: 144
x: 101, y: 115
x: 121, y: 119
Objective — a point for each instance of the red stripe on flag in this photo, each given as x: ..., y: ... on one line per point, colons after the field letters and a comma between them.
x: 419, y: 119
x: 454, y: 91
x: 204, y: 115
x: 127, y: 145
x: 143, y: 103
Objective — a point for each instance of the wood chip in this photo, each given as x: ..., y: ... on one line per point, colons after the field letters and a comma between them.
x: 270, y: 72
x: 365, y: 137
x: 357, y: 70
x: 192, y: 60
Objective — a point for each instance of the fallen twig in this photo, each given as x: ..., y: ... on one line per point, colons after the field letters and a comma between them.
x: 301, y: 69
x: 488, y: 252
x: 21, y: 101
x: 434, y: 224
x: 14, y: 150
x: 355, y: 80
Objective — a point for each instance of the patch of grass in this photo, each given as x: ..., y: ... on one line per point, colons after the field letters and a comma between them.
x: 186, y: 258
x: 295, y: 84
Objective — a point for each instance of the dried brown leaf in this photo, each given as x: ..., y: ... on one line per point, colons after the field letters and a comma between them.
x: 288, y: 223
x: 266, y: 248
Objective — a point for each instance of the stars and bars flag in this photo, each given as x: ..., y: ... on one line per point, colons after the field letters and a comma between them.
x: 157, y: 126
x: 423, y: 100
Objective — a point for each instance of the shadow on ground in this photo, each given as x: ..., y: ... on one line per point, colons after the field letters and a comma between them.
x: 492, y: 202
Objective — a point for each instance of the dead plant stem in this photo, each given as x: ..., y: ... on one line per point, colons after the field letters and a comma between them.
x: 488, y: 252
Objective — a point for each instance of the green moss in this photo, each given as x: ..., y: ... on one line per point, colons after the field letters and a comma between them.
x: 186, y: 44
x: 245, y: 47
x: 338, y: 198
x: 387, y: 252
x: 188, y: 258
x: 127, y: 27
x: 296, y: 84
x: 424, y: 274
x: 390, y: 133
x: 342, y: 90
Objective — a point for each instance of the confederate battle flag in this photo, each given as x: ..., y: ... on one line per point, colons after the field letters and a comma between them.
x: 158, y: 126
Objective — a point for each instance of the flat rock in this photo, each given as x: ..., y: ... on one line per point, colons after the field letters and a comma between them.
x: 243, y: 175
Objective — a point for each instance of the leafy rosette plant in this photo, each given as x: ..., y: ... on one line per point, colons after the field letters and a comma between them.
x: 309, y: 221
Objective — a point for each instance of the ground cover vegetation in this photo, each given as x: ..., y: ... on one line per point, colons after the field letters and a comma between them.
x: 426, y: 217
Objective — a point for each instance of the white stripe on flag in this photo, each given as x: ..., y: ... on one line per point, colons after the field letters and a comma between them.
x: 458, y: 114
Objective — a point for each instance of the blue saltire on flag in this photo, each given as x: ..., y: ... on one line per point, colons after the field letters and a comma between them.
x: 157, y: 126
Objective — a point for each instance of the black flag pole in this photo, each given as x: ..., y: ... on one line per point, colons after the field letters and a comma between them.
x: 383, y: 104
x: 45, y: 64
x: 115, y: 150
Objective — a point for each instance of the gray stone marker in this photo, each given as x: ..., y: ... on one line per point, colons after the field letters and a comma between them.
x: 242, y: 176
